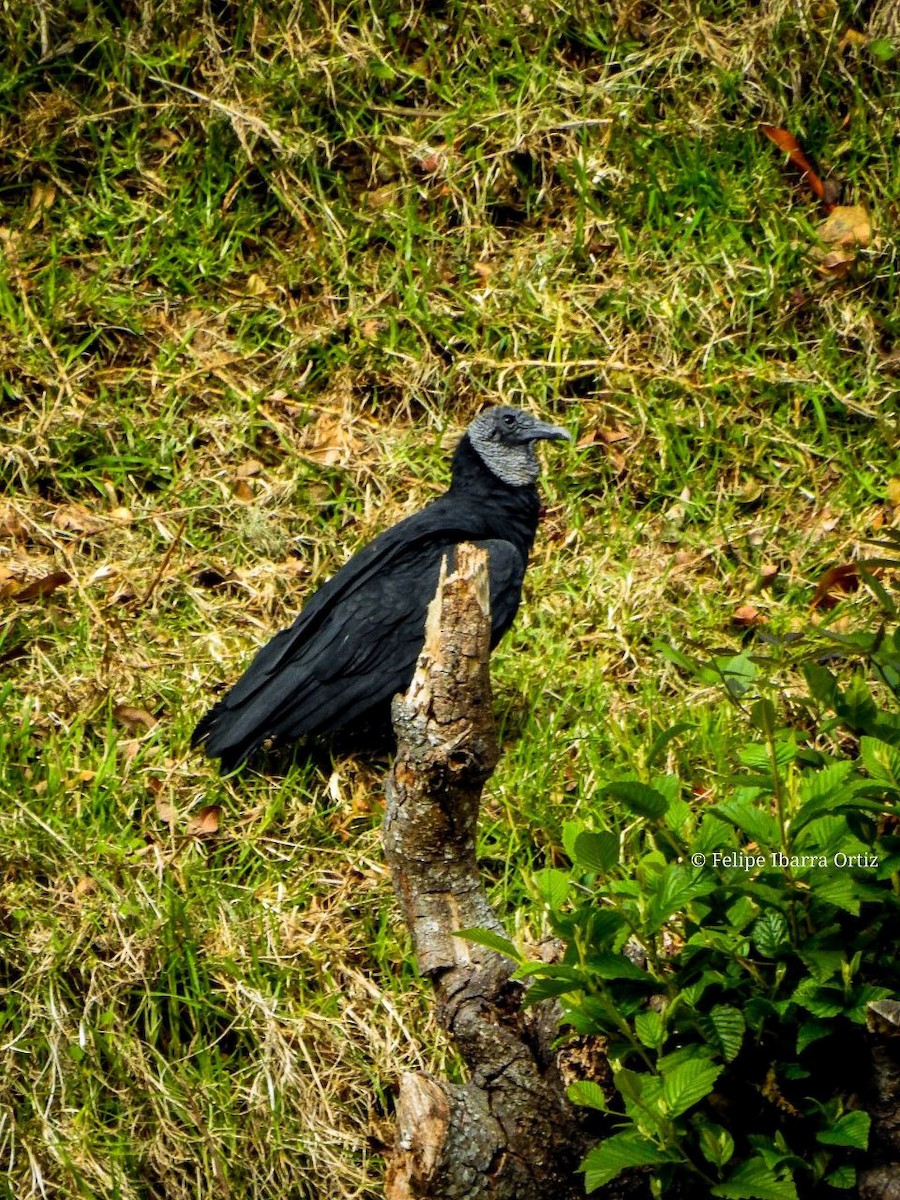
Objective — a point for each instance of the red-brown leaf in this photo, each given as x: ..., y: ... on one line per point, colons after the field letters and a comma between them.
x: 835, y: 583
x: 786, y: 141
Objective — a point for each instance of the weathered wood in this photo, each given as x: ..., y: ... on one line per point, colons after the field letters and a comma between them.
x: 509, y: 1131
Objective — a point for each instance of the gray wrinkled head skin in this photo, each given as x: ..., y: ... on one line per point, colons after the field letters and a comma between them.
x: 504, y: 439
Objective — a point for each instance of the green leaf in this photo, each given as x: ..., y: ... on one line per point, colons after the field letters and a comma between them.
x: 616, y: 966
x: 821, y: 683
x: 716, y: 1144
x: 821, y: 999
x: 616, y: 1154
x: 673, y: 890
x: 758, y: 825
x: 662, y: 740
x: 730, y: 1026
x: 687, y: 1084
x: 553, y: 887
x: 754, y: 1180
x: 650, y: 1029
x: 852, y: 1129
x: 884, y: 50
x: 770, y: 933
x: 881, y: 760
x: 811, y: 1031
x: 588, y: 1094
x: 839, y: 889
x: 639, y: 797
x: 843, y: 1177
x: 596, y: 851
x: 493, y: 941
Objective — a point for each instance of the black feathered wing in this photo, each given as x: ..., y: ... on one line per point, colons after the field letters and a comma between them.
x: 356, y: 642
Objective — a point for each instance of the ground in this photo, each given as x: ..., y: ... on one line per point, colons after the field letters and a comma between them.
x: 259, y: 265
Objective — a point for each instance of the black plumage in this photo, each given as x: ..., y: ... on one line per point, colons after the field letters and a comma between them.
x: 355, y: 643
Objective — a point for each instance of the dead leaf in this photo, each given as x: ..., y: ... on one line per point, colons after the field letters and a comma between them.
x: 835, y: 584
x: 43, y: 196
x: 75, y: 518
x: 242, y: 491
x: 11, y: 524
x: 329, y: 441
x: 205, y: 822
x: 36, y: 589
x: 767, y: 575
x: 893, y: 491
x: 846, y: 226
x: 483, y: 270
x: 786, y: 142
x: 370, y: 328
x: 122, y: 514
x: 853, y: 37
x: 86, y: 886
x: 166, y: 811
x: 255, y: 285
x: 837, y: 263
x: 248, y: 469
x: 133, y: 718
x: 746, y: 616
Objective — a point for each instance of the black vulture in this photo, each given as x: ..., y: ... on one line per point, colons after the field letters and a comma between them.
x: 355, y: 644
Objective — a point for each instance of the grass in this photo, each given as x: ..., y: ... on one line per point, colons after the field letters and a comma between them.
x: 258, y: 266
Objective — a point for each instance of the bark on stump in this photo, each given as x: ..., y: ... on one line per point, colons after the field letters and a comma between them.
x: 509, y: 1131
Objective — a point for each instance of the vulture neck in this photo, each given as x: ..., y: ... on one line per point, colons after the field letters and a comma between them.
x: 506, y: 511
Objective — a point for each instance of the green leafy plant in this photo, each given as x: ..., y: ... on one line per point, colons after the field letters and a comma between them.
x: 727, y: 953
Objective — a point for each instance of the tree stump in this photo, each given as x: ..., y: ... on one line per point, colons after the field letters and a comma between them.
x: 510, y: 1130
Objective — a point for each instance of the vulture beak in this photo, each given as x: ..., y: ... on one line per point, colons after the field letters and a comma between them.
x: 541, y: 432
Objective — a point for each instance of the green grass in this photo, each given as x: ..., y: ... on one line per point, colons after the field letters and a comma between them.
x: 258, y: 267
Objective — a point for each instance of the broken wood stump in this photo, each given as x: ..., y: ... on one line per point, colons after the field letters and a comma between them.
x: 509, y: 1131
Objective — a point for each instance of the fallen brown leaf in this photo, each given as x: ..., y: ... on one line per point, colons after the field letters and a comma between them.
x: 788, y: 143
x: 837, y: 263
x: 75, y: 518
x: 36, y: 589
x: 11, y: 524
x: 248, y: 469
x: 834, y: 584
x: 205, y: 822
x: 846, y: 226
x: 133, y: 718
x: 242, y: 491
x: 746, y: 616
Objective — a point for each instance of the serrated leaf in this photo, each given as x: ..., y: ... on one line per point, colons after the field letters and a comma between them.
x: 843, y: 1177
x: 716, y: 1144
x: 650, y: 1029
x: 491, y: 940
x: 758, y: 825
x: 662, y: 740
x: 553, y: 886
x: 881, y: 760
x: 754, y: 1180
x: 616, y: 966
x: 839, y: 889
x: 588, y: 1094
x: 770, y: 933
x: 852, y: 1129
x: 821, y: 683
x: 639, y: 797
x: 596, y: 851
x: 673, y: 890
x: 811, y: 1031
x: 687, y: 1084
x: 730, y: 1026
x: 822, y: 1000
x: 616, y: 1154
